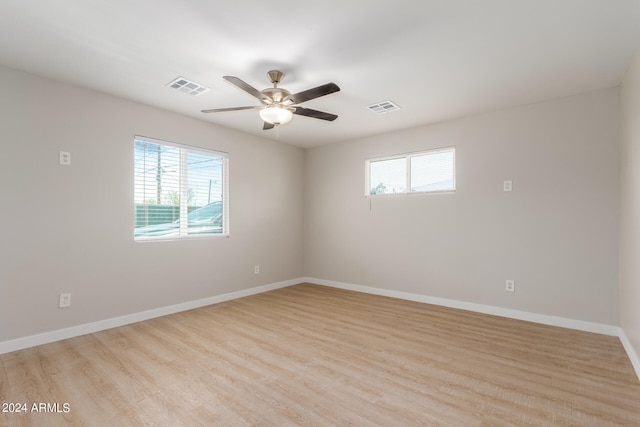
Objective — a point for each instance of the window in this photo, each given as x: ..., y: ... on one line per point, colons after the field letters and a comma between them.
x: 179, y: 191
x: 425, y: 172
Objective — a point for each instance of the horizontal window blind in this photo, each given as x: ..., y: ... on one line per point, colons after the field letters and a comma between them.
x: 432, y: 171
x: 179, y: 191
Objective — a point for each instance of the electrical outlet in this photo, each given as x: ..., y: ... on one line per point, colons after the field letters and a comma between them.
x: 507, y: 185
x: 256, y: 269
x: 510, y: 286
x: 65, y: 300
x: 64, y: 158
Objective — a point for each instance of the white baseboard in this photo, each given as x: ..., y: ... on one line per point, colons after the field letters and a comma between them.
x: 580, y: 325
x: 74, y: 331
x: 631, y: 352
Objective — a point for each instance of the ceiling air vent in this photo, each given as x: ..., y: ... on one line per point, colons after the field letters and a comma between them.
x: 187, y: 86
x: 383, y: 107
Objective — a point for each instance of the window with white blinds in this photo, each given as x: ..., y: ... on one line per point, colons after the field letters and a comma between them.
x: 424, y: 172
x: 179, y: 191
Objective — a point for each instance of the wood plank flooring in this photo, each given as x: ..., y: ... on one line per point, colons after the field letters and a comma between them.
x: 312, y: 355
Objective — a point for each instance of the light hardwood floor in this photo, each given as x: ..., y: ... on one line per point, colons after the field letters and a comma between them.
x: 312, y: 355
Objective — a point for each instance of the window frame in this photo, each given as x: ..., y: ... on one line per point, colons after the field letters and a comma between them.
x: 408, y: 157
x: 183, y: 207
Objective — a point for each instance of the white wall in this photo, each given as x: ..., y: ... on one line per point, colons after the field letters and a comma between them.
x: 556, y: 234
x: 630, y: 205
x: 70, y: 229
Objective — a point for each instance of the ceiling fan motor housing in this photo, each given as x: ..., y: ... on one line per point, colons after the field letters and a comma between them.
x: 276, y: 94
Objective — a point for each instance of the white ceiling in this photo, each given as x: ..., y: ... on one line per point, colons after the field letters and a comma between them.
x: 436, y: 59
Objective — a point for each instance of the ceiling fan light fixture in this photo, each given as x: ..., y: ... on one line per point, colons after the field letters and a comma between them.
x: 276, y: 115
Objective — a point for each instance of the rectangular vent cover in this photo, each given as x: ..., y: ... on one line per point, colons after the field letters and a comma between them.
x: 187, y: 86
x: 383, y: 107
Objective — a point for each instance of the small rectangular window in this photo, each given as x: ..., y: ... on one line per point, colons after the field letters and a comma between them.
x: 179, y: 191
x: 424, y: 172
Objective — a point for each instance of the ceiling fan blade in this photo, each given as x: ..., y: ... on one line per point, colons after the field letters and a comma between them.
x: 267, y: 126
x: 315, y: 114
x: 221, y: 110
x: 309, y: 94
x: 248, y: 88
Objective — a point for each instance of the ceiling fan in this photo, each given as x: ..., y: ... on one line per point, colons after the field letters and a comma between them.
x: 279, y: 105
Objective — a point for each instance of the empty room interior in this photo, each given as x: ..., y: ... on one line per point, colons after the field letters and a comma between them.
x: 336, y: 213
